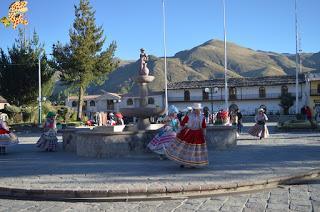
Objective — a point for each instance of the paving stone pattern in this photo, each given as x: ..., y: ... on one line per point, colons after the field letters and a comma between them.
x: 303, y: 198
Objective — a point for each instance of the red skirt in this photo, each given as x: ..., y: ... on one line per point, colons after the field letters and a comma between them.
x: 189, y: 148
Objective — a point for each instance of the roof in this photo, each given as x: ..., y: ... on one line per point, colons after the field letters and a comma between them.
x: 89, y: 97
x: 237, y: 82
x: 3, y: 100
x: 150, y: 93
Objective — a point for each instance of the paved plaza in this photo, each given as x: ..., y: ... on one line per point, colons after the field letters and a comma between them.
x: 283, y: 154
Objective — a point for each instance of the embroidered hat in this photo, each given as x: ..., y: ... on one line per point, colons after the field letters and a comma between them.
x: 197, y: 106
x: 189, y: 108
x: 173, y: 109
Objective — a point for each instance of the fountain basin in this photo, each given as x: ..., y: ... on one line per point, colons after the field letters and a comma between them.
x: 119, y: 144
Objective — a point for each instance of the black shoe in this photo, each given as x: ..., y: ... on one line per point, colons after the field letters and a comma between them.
x: 260, y: 137
x: 181, y: 166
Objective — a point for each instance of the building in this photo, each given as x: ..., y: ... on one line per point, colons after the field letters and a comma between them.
x: 245, y: 93
x: 131, y: 100
x: 3, y: 102
x: 105, y: 102
x: 313, y: 88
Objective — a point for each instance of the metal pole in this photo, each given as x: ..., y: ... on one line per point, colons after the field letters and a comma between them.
x: 211, y: 105
x: 225, y: 58
x: 39, y: 97
x: 297, y: 57
x: 165, y: 55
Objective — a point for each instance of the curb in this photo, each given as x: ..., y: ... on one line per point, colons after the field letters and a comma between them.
x: 161, y: 192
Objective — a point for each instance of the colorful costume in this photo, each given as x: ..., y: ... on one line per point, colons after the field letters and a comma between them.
x: 189, y: 148
x: 7, y: 138
x: 166, y: 135
x: 260, y: 128
x: 48, y: 140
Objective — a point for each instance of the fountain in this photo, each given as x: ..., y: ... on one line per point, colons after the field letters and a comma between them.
x: 142, y: 112
x: 103, y: 142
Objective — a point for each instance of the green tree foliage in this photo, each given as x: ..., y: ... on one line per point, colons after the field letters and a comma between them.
x: 286, y: 101
x: 19, y: 71
x: 82, y: 61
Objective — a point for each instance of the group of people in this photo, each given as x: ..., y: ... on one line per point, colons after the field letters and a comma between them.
x: 183, y: 141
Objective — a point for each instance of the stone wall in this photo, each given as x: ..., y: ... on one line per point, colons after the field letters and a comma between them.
x: 89, y: 143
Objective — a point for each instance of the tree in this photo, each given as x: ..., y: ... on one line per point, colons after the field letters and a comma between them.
x: 286, y: 101
x: 82, y: 62
x: 19, y: 71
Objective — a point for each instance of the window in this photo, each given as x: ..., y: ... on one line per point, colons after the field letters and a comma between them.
x: 205, y: 95
x: 232, y: 93
x: 284, y: 90
x: 151, y: 101
x: 318, y: 88
x: 74, y: 104
x: 186, y: 95
x: 129, y: 102
x: 92, y: 103
x: 110, y: 104
x: 262, y: 92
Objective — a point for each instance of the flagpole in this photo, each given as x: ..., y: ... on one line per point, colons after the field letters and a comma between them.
x: 297, y: 57
x: 165, y: 56
x: 225, y: 58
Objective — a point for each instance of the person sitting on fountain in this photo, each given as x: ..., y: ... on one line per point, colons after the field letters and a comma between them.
x: 111, y: 121
x: 167, y: 133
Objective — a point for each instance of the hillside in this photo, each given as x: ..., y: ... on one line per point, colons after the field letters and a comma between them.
x: 206, y: 61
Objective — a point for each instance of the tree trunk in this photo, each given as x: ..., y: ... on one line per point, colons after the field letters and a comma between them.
x: 80, y: 103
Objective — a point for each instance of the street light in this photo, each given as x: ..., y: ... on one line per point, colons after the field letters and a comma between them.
x: 209, y: 90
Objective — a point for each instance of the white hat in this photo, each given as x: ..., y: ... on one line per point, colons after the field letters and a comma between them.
x: 111, y: 114
x: 189, y: 108
x: 197, y: 106
x: 260, y: 109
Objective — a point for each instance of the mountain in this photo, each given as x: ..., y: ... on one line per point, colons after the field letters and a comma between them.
x: 206, y: 61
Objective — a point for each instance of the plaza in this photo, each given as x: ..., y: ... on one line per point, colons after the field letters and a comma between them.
x: 252, y: 161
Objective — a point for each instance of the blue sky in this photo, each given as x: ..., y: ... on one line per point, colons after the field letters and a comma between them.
x: 258, y: 24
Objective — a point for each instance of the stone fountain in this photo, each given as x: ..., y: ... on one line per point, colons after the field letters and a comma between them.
x: 142, y: 112
x: 105, y: 143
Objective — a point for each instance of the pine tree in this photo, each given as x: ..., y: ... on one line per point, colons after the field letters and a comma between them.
x: 19, y: 71
x: 82, y: 62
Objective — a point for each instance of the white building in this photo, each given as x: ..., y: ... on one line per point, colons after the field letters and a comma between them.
x: 3, y: 102
x: 106, y: 102
x: 246, y: 93
x: 131, y: 100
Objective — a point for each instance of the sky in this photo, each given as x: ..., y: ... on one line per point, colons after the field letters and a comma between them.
x: 267, y: 25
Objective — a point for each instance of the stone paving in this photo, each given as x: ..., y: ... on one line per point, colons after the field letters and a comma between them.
x: 282, y: 154
x: 304, y: 198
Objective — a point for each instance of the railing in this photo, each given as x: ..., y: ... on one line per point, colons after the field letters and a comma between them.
x: 233, y: 97
x: 314, y: 92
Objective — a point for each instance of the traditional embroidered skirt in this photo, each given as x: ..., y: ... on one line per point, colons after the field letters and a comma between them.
x: 189, y: 148
x: 259, y: 130
x: 7, y: 138
x: 48, y: 141
x: 162, y: 140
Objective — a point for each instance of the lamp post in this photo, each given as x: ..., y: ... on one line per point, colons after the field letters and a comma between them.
x: 39, y: 95
x: 297, y: 56
x: 212, y: 91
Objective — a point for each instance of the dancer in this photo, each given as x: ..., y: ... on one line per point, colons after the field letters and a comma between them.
x: 167, y: 133
x: 189, y: 148
x: 7, y: 138
x: 260, y: 128
x: 48, y: 140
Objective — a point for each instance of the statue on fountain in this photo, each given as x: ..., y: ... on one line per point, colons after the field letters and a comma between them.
x: 143, y: 63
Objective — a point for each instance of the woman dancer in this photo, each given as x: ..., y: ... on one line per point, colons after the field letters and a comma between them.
x: 48, y: 140
x: 7, y: 138
x: 189, y: 148
x: 167, y: 133
x: 260, y: 128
